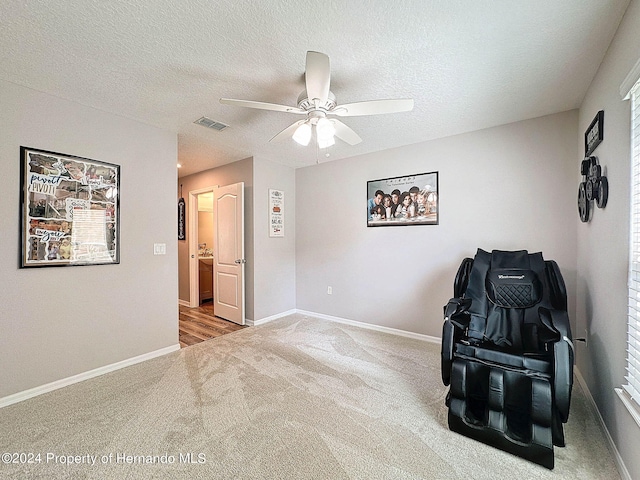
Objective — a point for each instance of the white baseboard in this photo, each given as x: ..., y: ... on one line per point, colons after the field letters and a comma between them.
x: 346, y: 321
x: 260, y: 321
x: 622, y: 468
x: 370, y: 326
x: 33, y: 392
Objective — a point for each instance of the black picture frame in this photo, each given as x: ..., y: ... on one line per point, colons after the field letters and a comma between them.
x: 594, y: 134
x: 406, y: 200
x: 69, y: 210
x: 181, y: 219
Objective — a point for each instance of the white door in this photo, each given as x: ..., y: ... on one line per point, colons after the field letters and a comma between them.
x: 228, y: 252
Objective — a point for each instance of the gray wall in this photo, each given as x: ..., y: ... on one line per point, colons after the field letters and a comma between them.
x: 240, y: 171
x: 509, y: 187
x: 270, y: 269
x: 603, y: 244
x: 59, y: 322
x: 275, y: 257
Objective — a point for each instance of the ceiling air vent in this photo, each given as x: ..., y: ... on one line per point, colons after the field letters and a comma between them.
x: 207, y: 122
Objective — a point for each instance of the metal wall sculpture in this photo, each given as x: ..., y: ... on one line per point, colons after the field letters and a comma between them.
x: 594, y: 188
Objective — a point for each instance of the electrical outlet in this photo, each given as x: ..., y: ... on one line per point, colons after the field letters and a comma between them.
x: 329, y: 291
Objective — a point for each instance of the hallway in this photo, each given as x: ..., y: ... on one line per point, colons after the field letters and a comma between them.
x: 199, y: 324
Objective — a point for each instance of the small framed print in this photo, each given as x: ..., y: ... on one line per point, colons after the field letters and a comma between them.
x: 594, y: 134
x: 69, y: 210
x: 276, y: 213
x: 182, y: 219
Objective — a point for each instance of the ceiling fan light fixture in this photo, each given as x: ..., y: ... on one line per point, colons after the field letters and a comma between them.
x: 326, y: 142
x: 317, y: 102
x: 302, y: 134
x: 325, y: 129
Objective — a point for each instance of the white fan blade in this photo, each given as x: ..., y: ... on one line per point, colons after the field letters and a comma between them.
x: 317, y: 77
x: 261, y: 105
x: 287, y: 132
x: 373, y: 107
x: 345, y: 133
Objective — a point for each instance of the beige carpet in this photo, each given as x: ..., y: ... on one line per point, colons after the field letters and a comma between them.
x: 297, y: 398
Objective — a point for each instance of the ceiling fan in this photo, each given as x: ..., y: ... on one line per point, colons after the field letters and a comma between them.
x: 317, y: 102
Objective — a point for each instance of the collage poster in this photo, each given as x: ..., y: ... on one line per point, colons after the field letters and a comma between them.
x: 69, y: 210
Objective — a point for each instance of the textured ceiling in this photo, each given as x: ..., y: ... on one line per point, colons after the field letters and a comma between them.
x: 467, y: 64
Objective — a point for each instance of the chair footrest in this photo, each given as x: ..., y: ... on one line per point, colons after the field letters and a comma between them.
x: 509, y: 409
x: 540, y: 454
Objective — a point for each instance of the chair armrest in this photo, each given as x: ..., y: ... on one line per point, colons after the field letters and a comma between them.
x: 557, y: 321
x: 455, y: 311
x: 446, y: 354
x: 456, y: 321
x: 564, y: 357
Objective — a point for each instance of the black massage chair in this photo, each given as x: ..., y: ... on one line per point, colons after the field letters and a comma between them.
x: 507, y: 353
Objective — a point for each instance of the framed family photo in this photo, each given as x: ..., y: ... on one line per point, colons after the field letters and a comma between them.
x: 69, y: 210
x: 400, y: 201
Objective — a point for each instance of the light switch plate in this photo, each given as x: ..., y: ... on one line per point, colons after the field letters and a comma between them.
x: 159, y: 248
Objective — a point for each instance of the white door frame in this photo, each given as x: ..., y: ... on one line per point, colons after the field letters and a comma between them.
x: 194, y: 280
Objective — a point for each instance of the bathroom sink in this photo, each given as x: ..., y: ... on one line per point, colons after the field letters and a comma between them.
x: 207, y: 260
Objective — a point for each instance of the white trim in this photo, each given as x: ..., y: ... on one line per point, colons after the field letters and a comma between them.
x: 632, y: 377
x: 49, y: 387
x: 622, y: 468
x: 192, y: 241
x: 370, y: 326
x: 261, y: 321
x: 630, y: 80
x: 354, y: 323
x: 629, y: 403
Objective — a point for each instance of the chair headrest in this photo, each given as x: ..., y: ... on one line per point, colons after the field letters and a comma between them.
x: 513, y: 287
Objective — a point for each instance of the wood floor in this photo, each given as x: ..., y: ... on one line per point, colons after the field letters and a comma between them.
x: 199, y: 324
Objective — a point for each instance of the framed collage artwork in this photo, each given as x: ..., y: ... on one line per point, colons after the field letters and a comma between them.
x: 69, y: 210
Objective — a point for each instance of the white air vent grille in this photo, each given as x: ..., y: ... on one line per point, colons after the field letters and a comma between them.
x: 207, y: 122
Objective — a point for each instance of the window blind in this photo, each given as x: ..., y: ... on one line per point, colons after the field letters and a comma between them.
x: 633, y: 341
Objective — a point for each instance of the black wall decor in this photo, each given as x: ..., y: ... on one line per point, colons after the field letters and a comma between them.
x: 594, y: 134
x: 181, y: 217
x: 593, y: 188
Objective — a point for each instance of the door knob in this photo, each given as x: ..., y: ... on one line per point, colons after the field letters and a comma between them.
x: 240, y: 261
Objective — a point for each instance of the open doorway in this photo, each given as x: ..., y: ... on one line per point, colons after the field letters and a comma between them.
x: 205, y: 249
x: 200, y: 243
x: 199, y: 324
x: 216, y: 264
